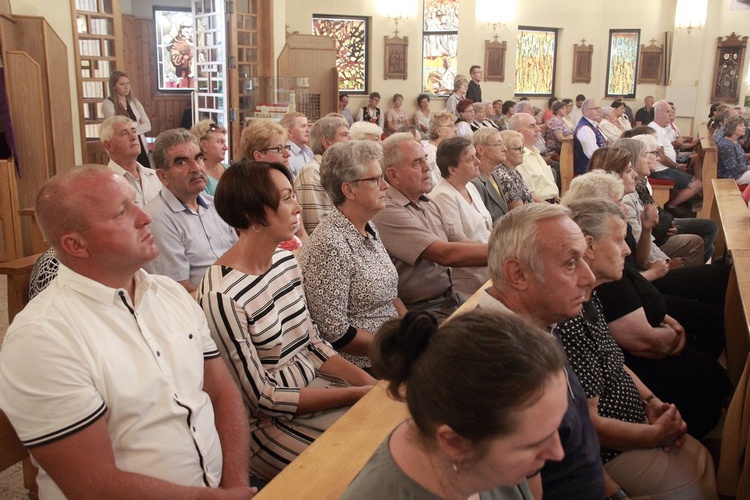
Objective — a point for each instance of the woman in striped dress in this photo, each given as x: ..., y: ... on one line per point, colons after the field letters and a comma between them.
x: 256, y: 309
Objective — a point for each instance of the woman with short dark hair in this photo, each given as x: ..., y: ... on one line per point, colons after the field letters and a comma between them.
x: 732, y: 159
x: 257, y: 313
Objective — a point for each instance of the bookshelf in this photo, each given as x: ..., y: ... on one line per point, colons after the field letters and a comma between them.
x: 98, y: 52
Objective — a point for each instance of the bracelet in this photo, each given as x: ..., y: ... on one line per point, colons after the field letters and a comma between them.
x: 648, y: 399
x: 618, y: 495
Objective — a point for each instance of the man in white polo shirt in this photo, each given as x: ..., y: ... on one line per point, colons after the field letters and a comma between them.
x: 109, y: 375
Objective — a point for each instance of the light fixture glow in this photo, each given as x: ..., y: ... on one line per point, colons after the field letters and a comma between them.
x: 690, y: 15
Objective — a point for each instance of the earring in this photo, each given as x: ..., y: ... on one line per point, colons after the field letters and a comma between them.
x: 455, y: 467
x: 256, y: 230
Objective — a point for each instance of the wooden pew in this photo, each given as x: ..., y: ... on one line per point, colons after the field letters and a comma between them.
x: 566, y: 164
x: 327, y: 466
x: 730, y: 212
x: 707, y: 150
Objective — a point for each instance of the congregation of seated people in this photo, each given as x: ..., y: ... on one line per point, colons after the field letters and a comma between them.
x: 259, y: 301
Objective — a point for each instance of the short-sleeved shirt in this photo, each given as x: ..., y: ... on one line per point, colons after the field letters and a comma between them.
x: 537, y: 175
x: 663, y: 137
x: 645, y: 116
x: 188, y: 241
x: 599, y: 364
x: 299, y: 157
x: 580, y: 474
x: 145, y: 190
x: 312, y: 198
x: 407, y: 228
x: 556, y: 125
x: 81, y: 351
x: 350, y: 282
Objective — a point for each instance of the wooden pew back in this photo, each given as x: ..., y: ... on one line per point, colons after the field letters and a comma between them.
x: 709, y: 158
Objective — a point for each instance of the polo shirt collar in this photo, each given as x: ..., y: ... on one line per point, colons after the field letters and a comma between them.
x: 399, y: 197
x: 99, y: 292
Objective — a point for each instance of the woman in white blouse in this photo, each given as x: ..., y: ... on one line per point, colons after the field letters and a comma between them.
x: 121, y: 101
x: 462, y: 205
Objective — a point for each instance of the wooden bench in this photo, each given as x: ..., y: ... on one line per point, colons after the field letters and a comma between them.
x: 661, y: 190
x: 706, y: 148
x: 730, y: 212
x: 566, y: 164
x: 327, y: 466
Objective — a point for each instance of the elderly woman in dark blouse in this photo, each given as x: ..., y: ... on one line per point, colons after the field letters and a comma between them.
x: 350, y: 282
x: 645, y: 447
x: 732, y: 159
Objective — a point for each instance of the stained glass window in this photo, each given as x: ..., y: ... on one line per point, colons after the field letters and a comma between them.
x: 350, y: 35
x: 536, y: 59
x: 439, y: 46
x: 623, y: 58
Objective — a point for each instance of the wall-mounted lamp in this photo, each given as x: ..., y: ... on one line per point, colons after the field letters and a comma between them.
x: 397, y: 11
x: 496, y: 13
x: 690, y: 15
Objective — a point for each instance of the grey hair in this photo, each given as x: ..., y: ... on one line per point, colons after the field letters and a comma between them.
x: 508, y: 135
x: 515, y: 121
x: 438, y: 120
x: 607, y: 111
x: 167, y: 140
x: 731, y: 124
x: 345, y: 162
x: 483, y: 135
x: 588, y: 103
x: 107, y: 128
x: 360, y: 130
x: 594, y: 184
x: 592, y: 215
x: 661, y: 107
x: 392, y: 156
x: 515, y: 237
x: 458, y: 81
x: 633, y: 146
x: 325, y: 128
x: 522, y: 104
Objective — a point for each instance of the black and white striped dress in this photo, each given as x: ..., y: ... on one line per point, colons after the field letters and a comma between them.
x: 272, y: 348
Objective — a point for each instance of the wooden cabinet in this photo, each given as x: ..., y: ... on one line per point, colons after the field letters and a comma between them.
x: 97, y: 34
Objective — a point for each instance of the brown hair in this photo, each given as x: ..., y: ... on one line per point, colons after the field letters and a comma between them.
x: 449, y: 154
x: 610, y: 159
x: 473, y: 373
x: 113, y: 77
x: 245, y: 190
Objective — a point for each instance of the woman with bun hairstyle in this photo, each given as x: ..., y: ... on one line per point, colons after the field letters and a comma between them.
x: 486, y: 393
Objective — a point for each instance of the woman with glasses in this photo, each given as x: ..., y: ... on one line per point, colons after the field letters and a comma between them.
x: 257, y: 313
x: 350, y: 282
x: 213, y: 141
x: 464, y: 123
x: 491, y: 152
x: 511, y: 183
x: 442, y: 128
x: 265, y: 140
x: 461, y: 205
x: 371, y: 113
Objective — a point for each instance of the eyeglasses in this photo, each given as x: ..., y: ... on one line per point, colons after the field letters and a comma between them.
x: 277, y: 149
x: 499, y: 145
x: 520, y: 149
x: 377, y: 180
x: 655, y: 153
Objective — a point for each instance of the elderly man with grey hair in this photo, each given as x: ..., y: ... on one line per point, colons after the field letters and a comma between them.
x: 311, y: 196
x: 351, y: 284
x: 587, y: 137
x: 538, y: 272
x: 422, y: 246
x: 186, y: 227
x: 121, y: 143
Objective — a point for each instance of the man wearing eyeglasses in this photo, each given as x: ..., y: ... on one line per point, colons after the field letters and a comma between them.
x: 587, y: 137
x: 311, y: 196
x: 186, y: 227
x: 537, y: 175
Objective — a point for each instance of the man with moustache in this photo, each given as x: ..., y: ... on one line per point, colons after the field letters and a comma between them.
x: 188, y: 231
x: 538, y: 272
x: 422, y: 247
x: 110, y: 376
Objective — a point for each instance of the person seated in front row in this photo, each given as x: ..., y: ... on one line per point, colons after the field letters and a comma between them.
x: 665, y: 338
x: 644, y: 446
x: 486, y: 393
x: 188, y: 231
x: 421, y: 244
x: 103, y: 370
x: 257, y: 313
x: 350, y: 282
